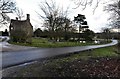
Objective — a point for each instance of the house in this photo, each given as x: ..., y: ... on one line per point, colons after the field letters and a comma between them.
x: 21, y: 30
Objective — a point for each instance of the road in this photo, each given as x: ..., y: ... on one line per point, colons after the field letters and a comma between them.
x: 19, y: 57
x: 6, y: 47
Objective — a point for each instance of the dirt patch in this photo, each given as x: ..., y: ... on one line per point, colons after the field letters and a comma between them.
x: 93, y: 67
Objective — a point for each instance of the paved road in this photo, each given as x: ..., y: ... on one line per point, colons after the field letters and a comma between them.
x: 6, y: 47
x: 19, y: 57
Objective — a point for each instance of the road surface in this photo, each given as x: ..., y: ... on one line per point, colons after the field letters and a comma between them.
x: 6, y: 47
x: 19, y: 57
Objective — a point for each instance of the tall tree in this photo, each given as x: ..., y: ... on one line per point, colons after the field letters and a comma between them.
x: 55, y: 18
x: 51, y: 12
x: 88, y: 35
x: 80, y: 19
x: 114, y: 9
x: 6, y: 6
x: 106, y: 33
x: 53, y: 15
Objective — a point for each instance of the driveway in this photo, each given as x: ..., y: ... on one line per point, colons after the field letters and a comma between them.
x: 13, y: 58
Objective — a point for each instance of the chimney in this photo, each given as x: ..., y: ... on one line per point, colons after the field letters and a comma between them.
x: 28, y: 17
x: 16, y: 18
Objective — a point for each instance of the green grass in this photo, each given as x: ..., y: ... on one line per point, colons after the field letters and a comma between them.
x: 85, y: 55
x: 101, y: 52
x: 40, y: 42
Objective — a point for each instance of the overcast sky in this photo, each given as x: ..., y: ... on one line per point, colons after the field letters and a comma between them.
x: 95, y: 21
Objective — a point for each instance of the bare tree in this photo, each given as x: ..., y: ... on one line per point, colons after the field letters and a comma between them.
x: 114, y: 9
x: 6, y: 6
x: 19, y: 13
x: 53, y: 17
x: 85, y: 3
x: 106, y: 33
x: 50, y: 11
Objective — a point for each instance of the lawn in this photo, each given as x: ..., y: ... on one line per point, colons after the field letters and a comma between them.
x: 95, y: 63
x: 95, y: 53
x: 41, y: 42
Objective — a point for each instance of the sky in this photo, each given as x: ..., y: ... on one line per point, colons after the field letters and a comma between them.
x: 95, y: 21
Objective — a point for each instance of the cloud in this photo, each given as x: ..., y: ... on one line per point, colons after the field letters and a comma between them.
x: 95, y: 21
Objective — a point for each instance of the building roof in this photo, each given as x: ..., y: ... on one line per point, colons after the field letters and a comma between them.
x: 21, y: 23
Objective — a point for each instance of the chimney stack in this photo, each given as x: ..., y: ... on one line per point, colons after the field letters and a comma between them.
x: 16, y: 18
x: 28, y: 16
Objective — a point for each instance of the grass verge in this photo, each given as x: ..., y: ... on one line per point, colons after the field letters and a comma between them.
x: 40, y: 42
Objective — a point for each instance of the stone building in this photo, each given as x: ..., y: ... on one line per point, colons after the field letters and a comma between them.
x: 21, y: 30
